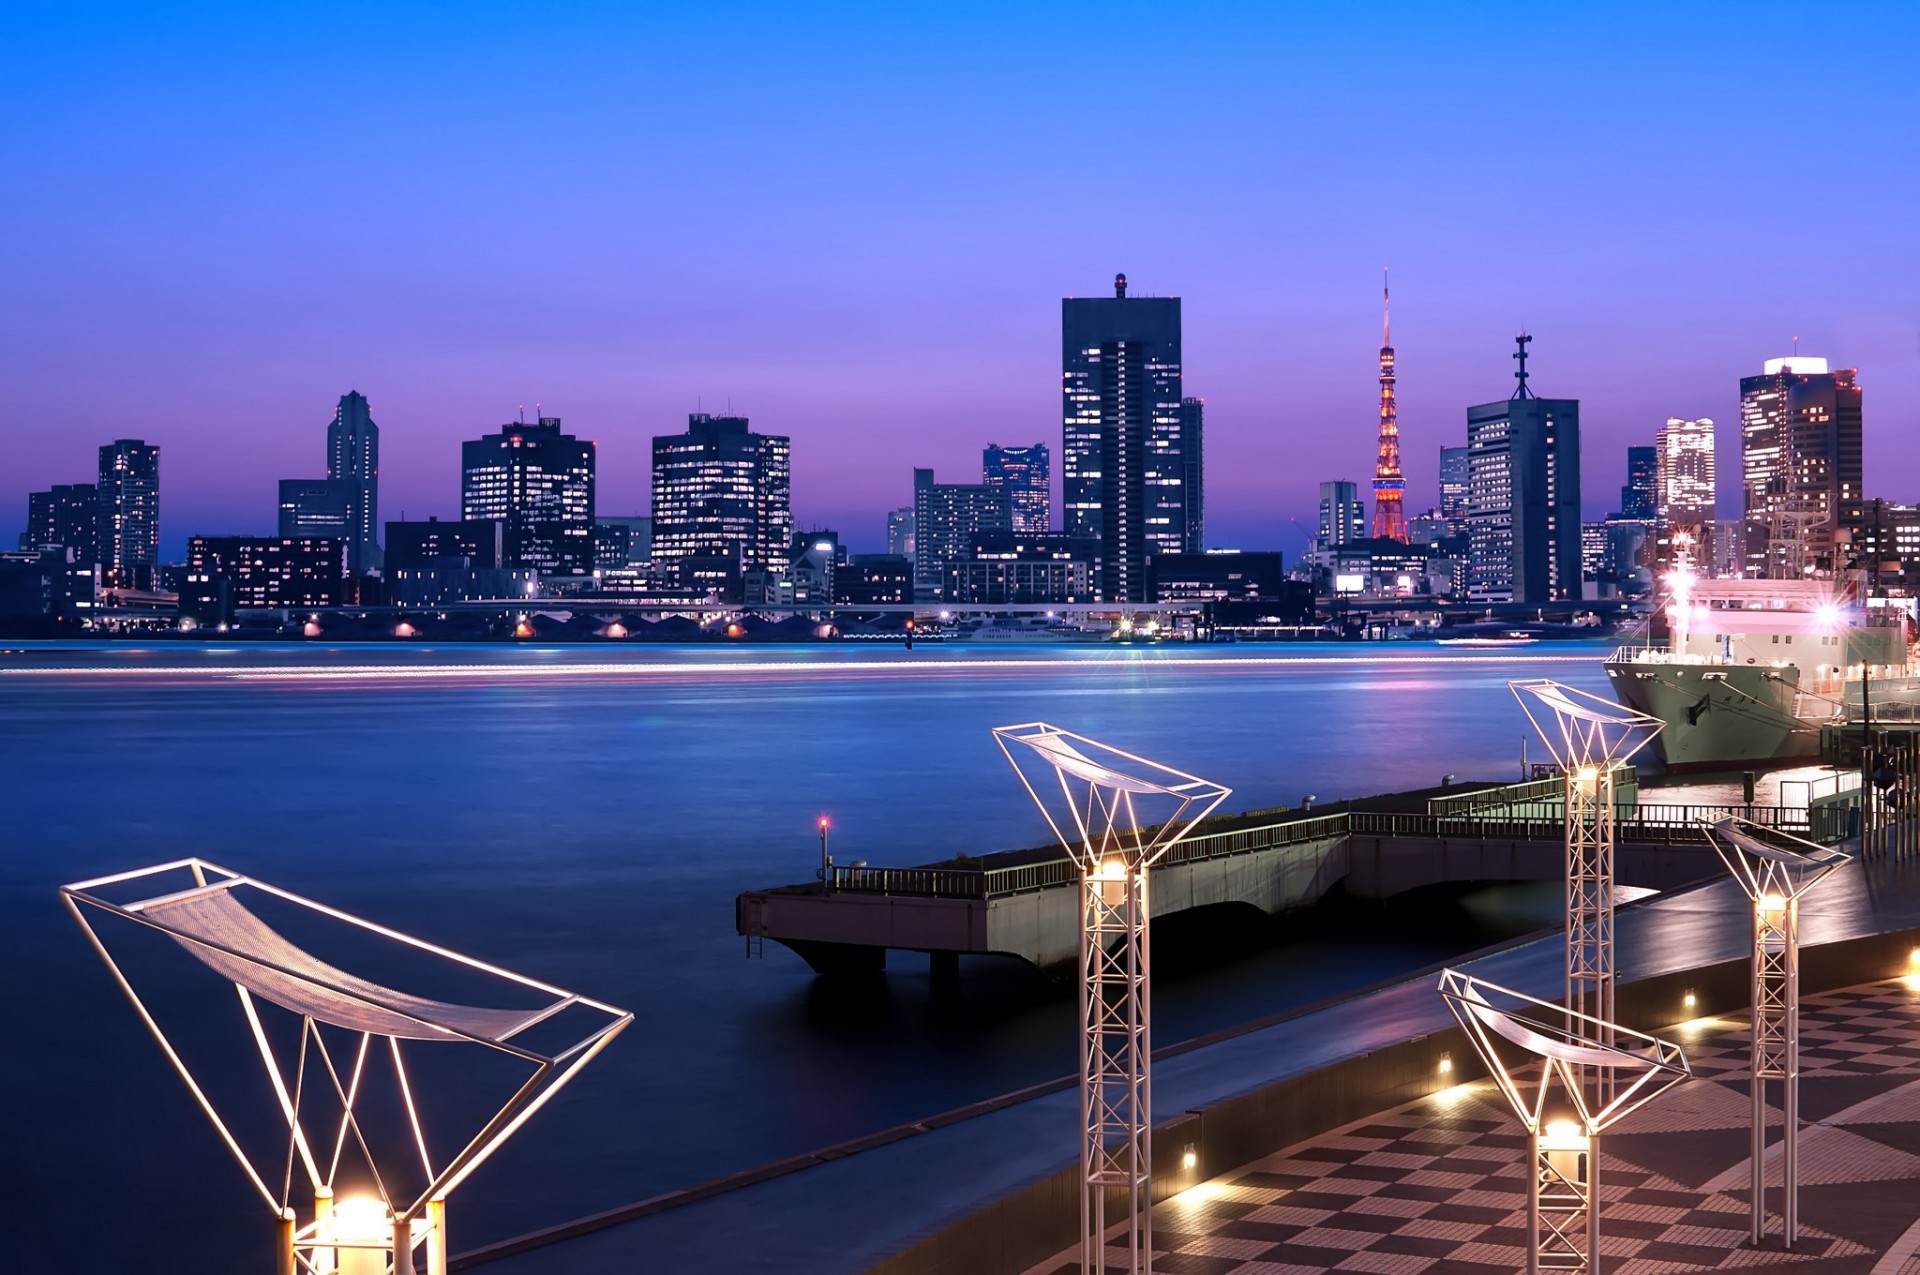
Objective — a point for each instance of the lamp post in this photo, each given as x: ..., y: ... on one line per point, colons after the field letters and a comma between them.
x: 1774, y: 874
x: 1116, y: 814
x: 1566, y: 1085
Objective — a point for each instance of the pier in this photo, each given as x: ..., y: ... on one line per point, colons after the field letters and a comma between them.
x: 1022, y: 903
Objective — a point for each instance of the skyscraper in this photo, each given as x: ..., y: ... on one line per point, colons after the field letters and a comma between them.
x: 67, y: 514
x: 1343, y: 516
x: 537, y: 482
x: 1027, y: 474
x: 1124, y: 462
x: 1454, y: 471
x: 1800, y: 445
x: 1193, y: 450
x: 900, y: 532
x: 129, y: 529
x: 1638, y: 499
x: 720, y: 489
x: 946, y: 517
x: 353, y: 459
x: 1684, y: 474
x: 1389, y: 487
x: 1523, y: 513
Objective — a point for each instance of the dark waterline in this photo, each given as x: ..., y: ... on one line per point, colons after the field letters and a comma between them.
x: 591, y: 827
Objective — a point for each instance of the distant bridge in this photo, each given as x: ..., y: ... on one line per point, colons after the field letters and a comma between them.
x: 1023, y: 903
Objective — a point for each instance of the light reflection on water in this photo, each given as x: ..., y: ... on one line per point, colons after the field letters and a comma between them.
x: 588, y: 817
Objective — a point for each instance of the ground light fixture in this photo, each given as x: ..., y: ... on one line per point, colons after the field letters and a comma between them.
x: 328, y: 1039
x: 1116, y: 814
x: 1774, y: 869
x: 1566, y: 1084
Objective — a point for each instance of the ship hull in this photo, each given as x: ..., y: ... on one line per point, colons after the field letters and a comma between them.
x: 1718, y: 717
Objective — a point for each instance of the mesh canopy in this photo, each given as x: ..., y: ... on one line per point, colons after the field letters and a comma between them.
x: 1812, y: 856
x: 1556, y: 698
x: 260, y: 959
x: 1080, y: 766
x: 1576, y: 1051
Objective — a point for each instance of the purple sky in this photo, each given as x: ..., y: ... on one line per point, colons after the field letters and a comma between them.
x: 856, y: 226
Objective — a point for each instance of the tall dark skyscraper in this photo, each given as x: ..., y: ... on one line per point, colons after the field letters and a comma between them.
x: 1027, y: 474
x: 1193, y: 450
x: 353, y: 459
x: 67, y: 514
x: 1123, y: 470
x: 1640, y: 497
x: 721, y: 489
x: 1801, y: 460
x: 129, y: 495
x: 1523, y: 513
x: 538, y: 483
x: 1454, y: 470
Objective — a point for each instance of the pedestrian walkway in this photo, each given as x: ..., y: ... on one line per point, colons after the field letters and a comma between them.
x: 1438, y: 1187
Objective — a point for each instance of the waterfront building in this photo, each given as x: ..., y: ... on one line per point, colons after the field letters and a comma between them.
x: 806, y: 579
x: 946, y: 517
x: 353, y: 460
x: 231, y: 573
x: 631, y: 533
x: 418, y: 544
x: 1193, y: 471
x: 1455, y: 473
x: 43, y: 588
x: 1343, y: 516
x: 721, y: 490
x: 537, y: 482
x: 318, y: 507
x: 1221, y: 575
x: 1382, y: 567
x: 129, y: 514
x: 900, y: 532
x: 1639, y: 498
x: 874, y: 579
x: 1428, y: 528
x: 1125, y: 454
x: 1800, y: 447
x: 1026, y: 473
x: 1523, y: 513
x: 1005, y: 567
x: 438, y: 581
x: 67, y: 515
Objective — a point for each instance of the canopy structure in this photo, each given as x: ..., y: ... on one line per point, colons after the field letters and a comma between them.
x: 1101, y: 802
x: 1782, y: 867
x: 1587, y: 731
x: 211, y: 913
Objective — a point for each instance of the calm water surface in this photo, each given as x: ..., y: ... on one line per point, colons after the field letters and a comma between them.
x: 587, y: 817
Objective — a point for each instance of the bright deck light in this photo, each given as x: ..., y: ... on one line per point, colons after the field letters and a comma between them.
x: 1689, y: 1000
x: 1446, y: 1064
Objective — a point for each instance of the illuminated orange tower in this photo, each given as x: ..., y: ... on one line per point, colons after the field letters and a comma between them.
x: 1389, y: 488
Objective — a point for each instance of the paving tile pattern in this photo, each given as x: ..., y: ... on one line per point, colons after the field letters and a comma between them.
x: 1438, y: 1187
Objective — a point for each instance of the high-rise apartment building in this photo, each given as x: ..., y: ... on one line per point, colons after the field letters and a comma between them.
x: 1454, y: 476
x: 722, y: 490
x: 1343, y: 515
x: 1027, y: 474
x: 1193, y: 482
x: 1125, y: 454
x: 537, y: 482
x: 353, y: 460
x: 946, y: 518
x: 1800, y: 450
x: 1638, y: 499
x: 1523, y: 512
x: 129, y: 504
x: 67, y: 515
x: 900, y: 532
x: 1684, y: 475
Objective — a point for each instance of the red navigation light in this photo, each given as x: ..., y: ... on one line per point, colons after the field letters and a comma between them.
x: 823, y: 821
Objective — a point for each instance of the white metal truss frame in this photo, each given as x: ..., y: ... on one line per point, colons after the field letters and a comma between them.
x: 1774, y: 873
x: 1590, y: 738
x: 1566, y: 1084
x: 420, y: 1220
x: 1100, y: 790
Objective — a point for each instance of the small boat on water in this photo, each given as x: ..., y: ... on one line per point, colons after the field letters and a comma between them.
x: 1505, y: 639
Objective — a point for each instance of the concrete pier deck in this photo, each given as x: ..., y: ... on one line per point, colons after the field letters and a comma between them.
x: 854, y: 1208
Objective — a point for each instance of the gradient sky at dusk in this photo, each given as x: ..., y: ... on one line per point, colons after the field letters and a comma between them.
x: 855, y: 222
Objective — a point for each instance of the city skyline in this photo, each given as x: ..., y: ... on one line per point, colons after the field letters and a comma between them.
x: 911, y: 275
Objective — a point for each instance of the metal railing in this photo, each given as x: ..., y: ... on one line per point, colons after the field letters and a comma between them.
x: 1653, y: 824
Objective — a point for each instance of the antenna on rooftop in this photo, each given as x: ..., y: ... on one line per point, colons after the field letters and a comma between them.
x: 523, y: 413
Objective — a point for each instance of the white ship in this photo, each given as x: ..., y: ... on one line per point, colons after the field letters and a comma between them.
x: 1755, y: 669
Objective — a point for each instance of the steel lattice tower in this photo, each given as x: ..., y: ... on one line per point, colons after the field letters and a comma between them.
x: 1389, y: 488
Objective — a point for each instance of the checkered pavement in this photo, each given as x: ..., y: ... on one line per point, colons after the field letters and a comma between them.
x: 1438, y: 1187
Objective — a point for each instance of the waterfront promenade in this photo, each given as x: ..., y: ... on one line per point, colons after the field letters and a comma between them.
x: 854, y: 1207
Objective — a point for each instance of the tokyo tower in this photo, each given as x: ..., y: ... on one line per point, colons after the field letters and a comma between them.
x: 1389, y: 488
